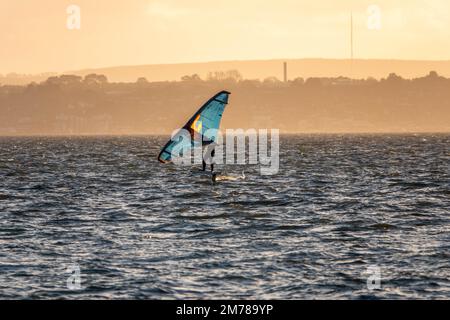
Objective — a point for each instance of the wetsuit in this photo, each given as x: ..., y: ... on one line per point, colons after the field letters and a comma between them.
x: 213, y: 153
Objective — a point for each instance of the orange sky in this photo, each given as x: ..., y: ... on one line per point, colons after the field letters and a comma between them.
x: 34, y: 37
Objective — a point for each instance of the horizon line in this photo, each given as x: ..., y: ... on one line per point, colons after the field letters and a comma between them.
x: 219, y: 61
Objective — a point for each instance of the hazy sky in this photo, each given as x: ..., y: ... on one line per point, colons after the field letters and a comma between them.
x: 34, y: 36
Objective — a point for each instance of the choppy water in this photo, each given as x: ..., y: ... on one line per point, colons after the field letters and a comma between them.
x: 139, y: 229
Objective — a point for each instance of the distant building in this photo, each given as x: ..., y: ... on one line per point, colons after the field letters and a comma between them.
x: 285, y: 72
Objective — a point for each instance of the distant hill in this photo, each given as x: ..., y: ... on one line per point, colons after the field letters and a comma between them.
x: 261, y: 69
x: 304, y: 68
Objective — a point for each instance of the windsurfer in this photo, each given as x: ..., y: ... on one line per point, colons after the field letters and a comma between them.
x: 211, y: 156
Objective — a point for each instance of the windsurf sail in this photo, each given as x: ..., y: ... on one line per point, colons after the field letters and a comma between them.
x: 199, y: 125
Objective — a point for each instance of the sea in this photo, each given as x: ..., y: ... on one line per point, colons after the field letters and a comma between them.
x: 346, y: 217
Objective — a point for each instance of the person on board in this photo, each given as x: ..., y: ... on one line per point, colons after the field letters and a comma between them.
x: 211, y: 156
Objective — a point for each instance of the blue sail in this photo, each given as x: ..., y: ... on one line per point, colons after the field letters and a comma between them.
x: 199, y: 127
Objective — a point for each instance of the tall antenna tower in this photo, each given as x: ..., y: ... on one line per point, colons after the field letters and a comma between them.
x: 351, y: 43
x: 351, y: 35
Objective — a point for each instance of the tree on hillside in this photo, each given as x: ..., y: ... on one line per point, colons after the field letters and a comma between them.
x: 194, y: 77
x: 95, y: 79
x: 142, y: 80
